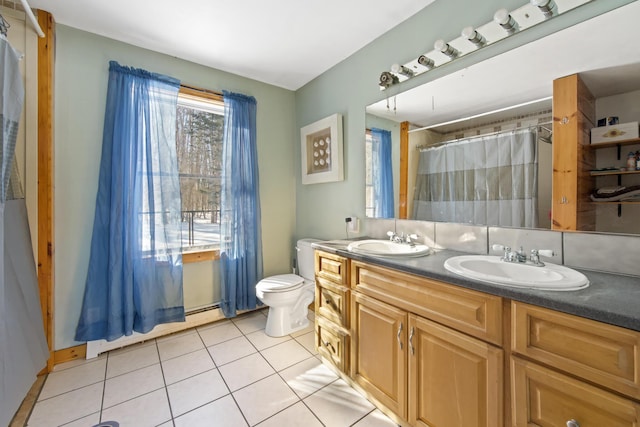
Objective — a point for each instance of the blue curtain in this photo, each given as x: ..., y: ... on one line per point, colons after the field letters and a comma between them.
x: 134, y: 281
x: 241, y: 239
x: 382, y: 174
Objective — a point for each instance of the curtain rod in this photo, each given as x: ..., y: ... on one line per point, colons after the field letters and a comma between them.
x: 32, y: 18
x: 439, y: 144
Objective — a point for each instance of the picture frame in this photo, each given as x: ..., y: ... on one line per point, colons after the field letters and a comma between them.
x: 321, y: 149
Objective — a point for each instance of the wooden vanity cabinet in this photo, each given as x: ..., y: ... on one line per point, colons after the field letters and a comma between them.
x: 568, y: 368
x: 333, y: 337
x: 426, y: 372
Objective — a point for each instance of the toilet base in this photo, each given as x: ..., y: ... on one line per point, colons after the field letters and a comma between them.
x: 279, y: 322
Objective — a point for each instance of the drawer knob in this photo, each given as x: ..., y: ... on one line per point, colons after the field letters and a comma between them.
x: 572, y: 423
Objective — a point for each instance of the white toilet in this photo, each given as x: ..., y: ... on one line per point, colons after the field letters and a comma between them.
x: 289, y: 295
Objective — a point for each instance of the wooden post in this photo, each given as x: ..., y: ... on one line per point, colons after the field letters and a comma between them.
x: 404, y: 170
x: 45, y: 262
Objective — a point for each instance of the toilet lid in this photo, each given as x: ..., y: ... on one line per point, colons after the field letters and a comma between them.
x: 282, y: 282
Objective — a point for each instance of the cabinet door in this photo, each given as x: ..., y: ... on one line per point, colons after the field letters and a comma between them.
x: 545, y: 398
x: 379, y: 351
x: 454, y: 379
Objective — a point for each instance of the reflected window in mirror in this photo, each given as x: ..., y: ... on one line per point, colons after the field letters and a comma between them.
x: 379, y: 174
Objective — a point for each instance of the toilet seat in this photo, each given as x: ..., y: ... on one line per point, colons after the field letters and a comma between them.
x: 281, y: 283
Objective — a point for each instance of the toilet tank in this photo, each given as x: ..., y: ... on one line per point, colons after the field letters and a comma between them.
x: 306, y: 258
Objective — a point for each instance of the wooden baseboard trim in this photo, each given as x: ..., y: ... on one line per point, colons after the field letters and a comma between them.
x: 69, y: 354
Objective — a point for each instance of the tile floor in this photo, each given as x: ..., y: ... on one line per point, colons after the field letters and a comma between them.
x: 228, y: 373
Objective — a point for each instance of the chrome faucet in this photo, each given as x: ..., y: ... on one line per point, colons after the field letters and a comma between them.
x: 402, y: 238
x: 519, y: 256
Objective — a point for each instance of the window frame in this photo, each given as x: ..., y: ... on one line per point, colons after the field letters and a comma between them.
x: 202, y: 95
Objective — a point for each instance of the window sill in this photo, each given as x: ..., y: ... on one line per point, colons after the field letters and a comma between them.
x: 208, y: 255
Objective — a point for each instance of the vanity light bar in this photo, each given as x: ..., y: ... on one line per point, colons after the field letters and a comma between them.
x: 472, y: 39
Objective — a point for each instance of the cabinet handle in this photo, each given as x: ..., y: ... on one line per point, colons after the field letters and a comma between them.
x: 400, y: 332
x: 333, y: 349
x: 411, y: 342
x: 572, y: 423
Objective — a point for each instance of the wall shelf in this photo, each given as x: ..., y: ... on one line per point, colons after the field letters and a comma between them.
x: 613, y: 173
x: 633, y: 141
x: 619, y: 202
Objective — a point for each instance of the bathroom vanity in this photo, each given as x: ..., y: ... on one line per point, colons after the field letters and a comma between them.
x: 433, y: 349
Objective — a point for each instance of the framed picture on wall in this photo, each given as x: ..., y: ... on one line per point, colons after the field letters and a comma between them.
x: 322, y: 151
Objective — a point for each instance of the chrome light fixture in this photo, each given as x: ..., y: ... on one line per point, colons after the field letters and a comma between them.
x: 546, y: 7
x: 401, y: 69
x: 506, y: 21
x: 427, y: 62
x: 474, y: 36
x: 446, y: 48
x: 388, y: 79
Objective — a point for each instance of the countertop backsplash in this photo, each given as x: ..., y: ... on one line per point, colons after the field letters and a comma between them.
x: 612, y: 253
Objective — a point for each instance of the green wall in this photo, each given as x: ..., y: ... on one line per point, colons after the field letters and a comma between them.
x: 80, y: 94
x: 351, y: 85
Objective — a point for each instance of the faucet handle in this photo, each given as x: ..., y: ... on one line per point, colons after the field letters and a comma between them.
x: 391, y: 234
x: 499, y: 247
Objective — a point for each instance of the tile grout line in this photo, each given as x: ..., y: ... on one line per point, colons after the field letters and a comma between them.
x: 166, y: 389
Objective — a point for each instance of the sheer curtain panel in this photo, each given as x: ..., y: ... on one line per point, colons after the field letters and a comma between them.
x: 134, y: 281
x: 382, y: 173
x: 241, y: 236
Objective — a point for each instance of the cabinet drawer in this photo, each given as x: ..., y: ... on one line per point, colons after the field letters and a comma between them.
x: 332, y: 267
x: 469, y: 311
x: 605, y: 354
x: 333, y: 344
x: 332, y: 302
x: 542, y: 397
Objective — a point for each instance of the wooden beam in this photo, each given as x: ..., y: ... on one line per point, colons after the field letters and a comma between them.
x: 191, y: 257
x: 45, y: 263
x: 69, y: 354
x: 404, y: 170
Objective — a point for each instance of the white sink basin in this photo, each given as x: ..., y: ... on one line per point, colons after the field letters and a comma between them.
x: 491, y: 269
x: 388, y: 248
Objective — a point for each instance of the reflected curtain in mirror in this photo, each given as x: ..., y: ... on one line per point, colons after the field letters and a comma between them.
x: 134, y: 280
x: 480, y: 180
x: 382, y: 173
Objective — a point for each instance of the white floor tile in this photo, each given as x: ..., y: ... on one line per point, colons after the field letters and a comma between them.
x: 286, y: 354
x: 375, y: 419
x: 308, y: 376
x: 167, y: 424
x: 222, y: 413
x: 186, y: 366
x: 245, y: 371
x: 248, y: 323
x: 90, y: 420
x: 338, y: 404
x: 148, y: 410
x: 231, y: 350
x: 294, y: 416
x: 67, y: 407
x: 308, y: 341
x: 219, y: 333
x: 73, y: 378
x: 261, y: 340
x: 126, y: 361
x: 180, y: 344
x: 196, y: 391
x: 133, y: 384
x: 77, y: 362
x: 264, y: 398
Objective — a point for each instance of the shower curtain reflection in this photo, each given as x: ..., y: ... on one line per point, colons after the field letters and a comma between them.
x: 488, y: 180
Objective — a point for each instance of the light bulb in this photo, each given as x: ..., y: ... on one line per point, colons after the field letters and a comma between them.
x: 445, y: 48
x: 473, y: 36
x: 545, y: 6
x: 395, y: 68
x: 505, y: 20
x: 401, y: 69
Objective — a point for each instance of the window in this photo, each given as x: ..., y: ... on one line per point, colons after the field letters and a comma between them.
x: 369, y: 204
x: 199, y: 133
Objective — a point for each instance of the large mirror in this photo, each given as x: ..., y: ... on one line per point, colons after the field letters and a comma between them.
x: 510, y: 94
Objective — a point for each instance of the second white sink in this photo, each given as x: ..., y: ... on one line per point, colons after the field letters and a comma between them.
x: 491, y: 269
x: 388, y: 248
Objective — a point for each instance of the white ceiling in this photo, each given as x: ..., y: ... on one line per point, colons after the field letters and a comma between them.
x: 524, y: 74
x: 286, y: 43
